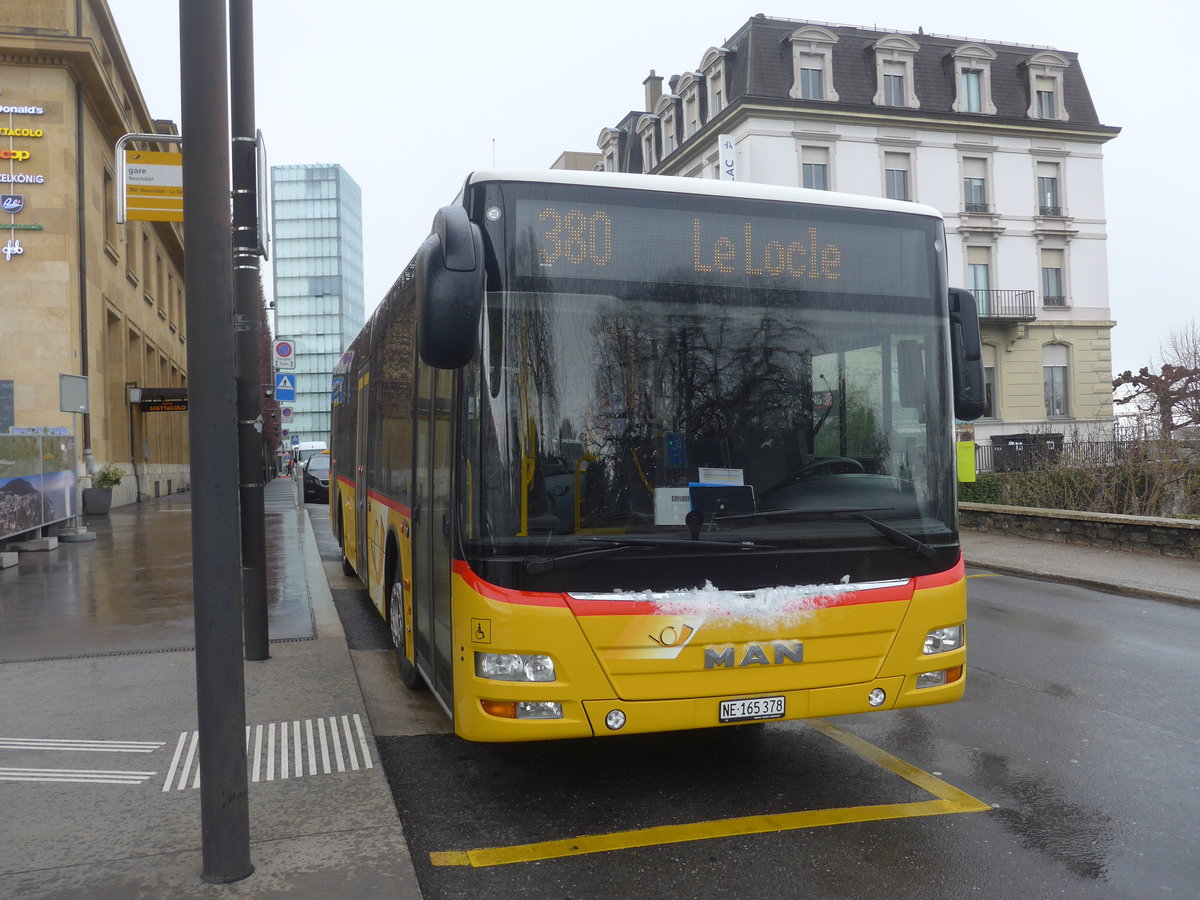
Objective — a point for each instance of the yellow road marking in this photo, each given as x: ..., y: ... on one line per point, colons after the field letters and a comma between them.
x: 986, y: 575
x: 949, y: 800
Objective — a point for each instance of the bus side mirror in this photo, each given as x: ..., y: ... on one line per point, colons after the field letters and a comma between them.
x: 966, y: 355
x: 450, y: 283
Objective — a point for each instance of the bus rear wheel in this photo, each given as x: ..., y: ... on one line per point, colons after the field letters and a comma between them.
x: 409, y: 676
x: 347, y: 569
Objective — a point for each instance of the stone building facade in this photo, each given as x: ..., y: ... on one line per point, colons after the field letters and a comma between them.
x: 80, y: 294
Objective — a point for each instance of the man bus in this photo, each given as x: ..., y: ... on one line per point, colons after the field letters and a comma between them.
x: 623, y: 454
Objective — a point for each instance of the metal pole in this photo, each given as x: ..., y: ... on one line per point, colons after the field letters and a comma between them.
x: 247, y: 328
x: 212, y: 407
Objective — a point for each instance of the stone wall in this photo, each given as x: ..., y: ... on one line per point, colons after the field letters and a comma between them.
x: 1179, y: 538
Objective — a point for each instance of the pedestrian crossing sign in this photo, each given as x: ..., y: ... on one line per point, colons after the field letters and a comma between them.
x: 285, y: 387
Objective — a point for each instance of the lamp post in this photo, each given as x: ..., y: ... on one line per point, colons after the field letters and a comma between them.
x: 135, y: 399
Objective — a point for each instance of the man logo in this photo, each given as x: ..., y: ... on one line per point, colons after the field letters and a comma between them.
x: 12, y: 203
x: 753, y: 655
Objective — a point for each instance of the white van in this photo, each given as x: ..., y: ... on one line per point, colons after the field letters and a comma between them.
x: 305, y: 449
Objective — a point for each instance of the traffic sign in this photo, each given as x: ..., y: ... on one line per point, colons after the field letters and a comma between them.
x: 285, y: 387
x: 295, y: 440
x: 285, y: 354
x: 285, y: 413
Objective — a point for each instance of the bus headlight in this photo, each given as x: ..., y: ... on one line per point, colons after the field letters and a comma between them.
x: 942, y: 640
x: 514, y: 667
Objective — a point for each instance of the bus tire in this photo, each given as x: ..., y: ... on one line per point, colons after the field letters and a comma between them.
x: 409, y: 676
x: 347, y: 569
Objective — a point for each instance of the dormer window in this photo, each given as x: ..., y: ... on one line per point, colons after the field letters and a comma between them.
x: 973, y: 79
x: 691, y: 90
x: 894, y: 57
x: 609, y: 144
x: 668, y: 116
x: 1046, y: 87
x: 812, y: 64
x: 712, y: 67
x: 647, y: 132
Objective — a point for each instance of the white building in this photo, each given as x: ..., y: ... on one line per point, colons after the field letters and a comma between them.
x: 1002, y: 138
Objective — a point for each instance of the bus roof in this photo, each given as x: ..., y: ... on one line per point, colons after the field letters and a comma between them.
x: 705, y: 187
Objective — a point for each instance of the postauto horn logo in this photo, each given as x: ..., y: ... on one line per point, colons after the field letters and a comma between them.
x: 12, y: 203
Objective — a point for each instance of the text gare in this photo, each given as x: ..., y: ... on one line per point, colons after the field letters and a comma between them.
x: 774, y: 259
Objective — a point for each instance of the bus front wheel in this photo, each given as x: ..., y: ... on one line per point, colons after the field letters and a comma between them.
x: 409, y: 676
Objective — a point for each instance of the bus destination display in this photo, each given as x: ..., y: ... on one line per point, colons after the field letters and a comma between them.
x: 832, y: 253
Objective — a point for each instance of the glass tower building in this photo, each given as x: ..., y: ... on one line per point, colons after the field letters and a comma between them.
x: 318, y: 281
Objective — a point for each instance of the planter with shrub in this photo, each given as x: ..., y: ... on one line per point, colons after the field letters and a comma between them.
x: 97, y: 499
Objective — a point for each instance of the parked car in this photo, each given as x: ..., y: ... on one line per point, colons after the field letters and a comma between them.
x: 316, y: 478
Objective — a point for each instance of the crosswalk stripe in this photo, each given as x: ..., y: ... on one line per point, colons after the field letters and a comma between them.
x: 276, y: 751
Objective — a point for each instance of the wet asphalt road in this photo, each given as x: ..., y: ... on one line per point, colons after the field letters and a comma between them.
x: 1078, y: 732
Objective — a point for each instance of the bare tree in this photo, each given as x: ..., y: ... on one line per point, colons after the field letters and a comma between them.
x: 1173, y: 392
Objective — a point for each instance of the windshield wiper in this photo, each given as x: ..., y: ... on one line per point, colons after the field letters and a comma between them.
x: 916, y: 545
x: 537, y: 564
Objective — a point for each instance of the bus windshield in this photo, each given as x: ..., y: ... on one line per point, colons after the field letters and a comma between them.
x: 596, y: 416
x: 667, y: 414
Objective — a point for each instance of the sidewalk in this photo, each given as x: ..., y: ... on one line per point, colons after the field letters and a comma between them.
x: 1123, y: 572
x: 97, y: 752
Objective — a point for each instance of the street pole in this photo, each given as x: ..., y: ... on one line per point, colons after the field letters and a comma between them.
x: 212, y: 407
x: 247, y: 329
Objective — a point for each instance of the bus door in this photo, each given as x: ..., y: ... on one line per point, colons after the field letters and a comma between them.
x: 434, y: 462
x: 361, y: 452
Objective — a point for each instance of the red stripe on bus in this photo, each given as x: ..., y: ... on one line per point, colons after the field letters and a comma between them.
x: 390, y: 503
x: 889, y: 594
x: 504, y: 595
x: 953, y: 575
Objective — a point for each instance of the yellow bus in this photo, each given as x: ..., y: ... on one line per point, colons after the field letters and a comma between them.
x: 622, y: 454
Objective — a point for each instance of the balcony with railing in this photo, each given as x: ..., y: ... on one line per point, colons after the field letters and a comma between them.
x: 1005, y: 306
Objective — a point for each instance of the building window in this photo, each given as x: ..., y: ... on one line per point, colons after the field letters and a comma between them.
x: 895, y: 176
x: 668, y: 116
x: 1046, y: 87
x: 973, y: 74
x: 979, y: 277
x: 690, y: 86
x: 894, y: 56
x: 1045, y: 103
x: 975, y: 195
x: 812, y: 64
x: 815, y: 167
x: 1049, y: 203
x: 1055, y: 381
x: 111, y: 238
x: 712, y: 67
x: 990, y: 407
x: 812, y: 84
x: 971, y: 87
x: 1053, y: 293
x: 893, y: 89
x: 147, y: 270
x: 647, y: 129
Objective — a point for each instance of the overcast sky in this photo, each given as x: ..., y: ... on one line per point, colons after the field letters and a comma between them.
x: 410, y: 97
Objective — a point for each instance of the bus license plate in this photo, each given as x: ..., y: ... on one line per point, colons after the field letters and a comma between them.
x: 752, y: 709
